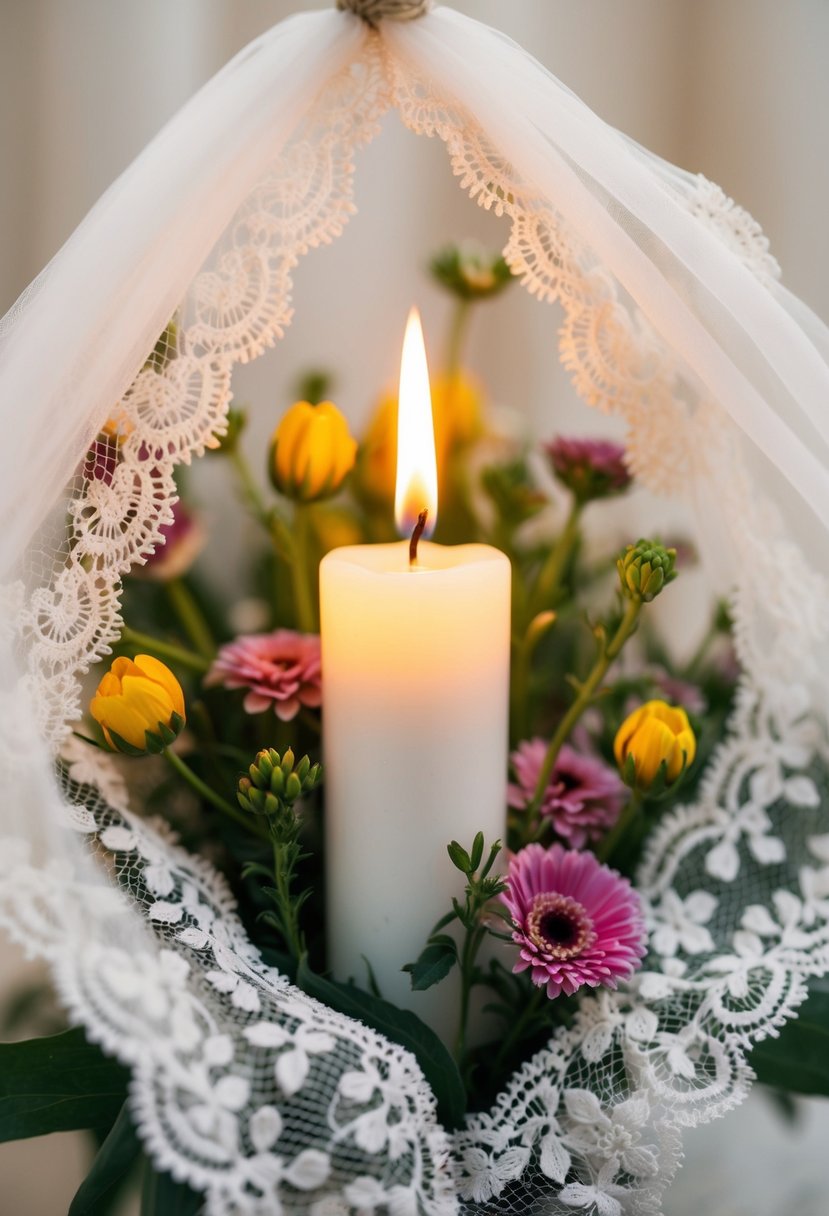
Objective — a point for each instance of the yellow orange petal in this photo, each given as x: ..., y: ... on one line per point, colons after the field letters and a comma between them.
x: 122, y: 719
x: 157, y: 671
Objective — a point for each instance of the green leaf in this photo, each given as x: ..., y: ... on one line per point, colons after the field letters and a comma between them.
x: 109, y: 1169
x: 477, y: 851
x: 798, y: 1060
x: 434, y: 963
x: 401, y: 1026
x: 58, y: 1084
x: 459, y: 857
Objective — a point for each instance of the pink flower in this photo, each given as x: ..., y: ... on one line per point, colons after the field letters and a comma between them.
x: 180, y: 544
x: 280, y: 669
x: 576, y: 921
x: 590, y: 468
x: 584, y: 796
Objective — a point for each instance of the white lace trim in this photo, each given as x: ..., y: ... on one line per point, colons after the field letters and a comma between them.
x: 244, y: 1087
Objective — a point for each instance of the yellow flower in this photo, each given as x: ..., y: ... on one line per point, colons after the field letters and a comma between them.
x: 457, y: 416
x: 654, y: 734
x: 312, y: 452
x: 139, y: 705
x: 457, y: 408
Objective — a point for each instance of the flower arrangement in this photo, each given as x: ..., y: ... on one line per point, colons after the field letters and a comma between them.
x: 222, y: 700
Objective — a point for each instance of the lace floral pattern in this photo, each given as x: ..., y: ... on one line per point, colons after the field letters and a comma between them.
x: 244, y: 1087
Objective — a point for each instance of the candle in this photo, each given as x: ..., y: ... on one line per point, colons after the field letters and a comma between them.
x: 415, y: 660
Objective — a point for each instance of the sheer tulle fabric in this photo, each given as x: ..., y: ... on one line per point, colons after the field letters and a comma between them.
x: 670, y: 314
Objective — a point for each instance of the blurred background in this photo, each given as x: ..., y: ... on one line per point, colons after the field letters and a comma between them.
x: 735, y: 89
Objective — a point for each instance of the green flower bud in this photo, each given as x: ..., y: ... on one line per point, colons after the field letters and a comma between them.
x: 644, y: 569
x: 276, y: 782
x: 511, y: 489
x: 470, y: 272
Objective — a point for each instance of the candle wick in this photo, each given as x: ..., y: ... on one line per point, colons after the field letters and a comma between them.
x: 416, y: 535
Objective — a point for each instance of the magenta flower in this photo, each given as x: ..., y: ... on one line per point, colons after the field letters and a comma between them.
x: 589, y: 468
x: 280, y: 670
x: 575, y: 921
x: 584, y: 796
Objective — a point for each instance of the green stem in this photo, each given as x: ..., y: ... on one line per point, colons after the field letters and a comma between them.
x: 691, y: 667
x: 457, y: 334
x: 191, y: 617
x: 290, y: 921
x: 251, y: 493
x: 548, y: 581
x: 306, y: 612
x: 471, y: 946
x: 91, y: 742
x: 164, y: 650
x: 586, y: 694
x: 521, y: 666
x: 621, y: 827
x: 209, y: 795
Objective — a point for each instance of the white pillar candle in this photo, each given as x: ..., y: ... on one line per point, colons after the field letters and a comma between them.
x: 415, y: 663
x: 415, y: 666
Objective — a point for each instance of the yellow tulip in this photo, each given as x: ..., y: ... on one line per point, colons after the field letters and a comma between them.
x: 654, y: 734
x: 139, y: 705
x: 312, y: 452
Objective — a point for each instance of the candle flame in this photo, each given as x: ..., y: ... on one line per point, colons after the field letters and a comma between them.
x: 417, y: 478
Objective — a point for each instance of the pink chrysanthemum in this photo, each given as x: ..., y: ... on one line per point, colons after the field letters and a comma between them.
x: 584, y: 795
x: 280, y: 670
x: 575, y: 921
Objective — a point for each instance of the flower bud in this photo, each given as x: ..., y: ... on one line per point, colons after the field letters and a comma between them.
x: 470, y: 272
x: 589, y: 468
x: 644, y: 569
x: 276, y: 782
x: 512, y: 490
x: 139, y: 706
x: 654, y: 744
x: 312, y: 452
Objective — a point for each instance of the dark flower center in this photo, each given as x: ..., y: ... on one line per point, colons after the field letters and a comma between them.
x: 559, y: 925
x: 566, y: 782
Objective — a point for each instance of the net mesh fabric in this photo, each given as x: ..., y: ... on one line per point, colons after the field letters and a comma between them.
x: 244, y: 1087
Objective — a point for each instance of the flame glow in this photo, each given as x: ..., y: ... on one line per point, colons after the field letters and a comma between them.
x: 416, y: 489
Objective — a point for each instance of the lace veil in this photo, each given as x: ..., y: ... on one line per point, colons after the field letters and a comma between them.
x: 669, y: 312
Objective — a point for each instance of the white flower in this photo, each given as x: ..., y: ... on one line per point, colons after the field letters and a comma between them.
x: 292, y: 1066
x: 610, y: 1137
x: 600, y: 1017
x: 749, y: 954
x: 681, y: 923
x: 91, y: 766
x: 603, y: 1194
x: 484, y: 1175
x: 543, y: 1133
x: 215, y: 1116
x: 681, y: 1051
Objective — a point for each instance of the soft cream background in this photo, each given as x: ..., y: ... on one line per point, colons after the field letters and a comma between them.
x: 737, y: 89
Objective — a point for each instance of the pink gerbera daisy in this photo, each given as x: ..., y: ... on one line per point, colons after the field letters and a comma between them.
x: 575, y: 921
x: 583, y: 797
x: 281, y: 671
